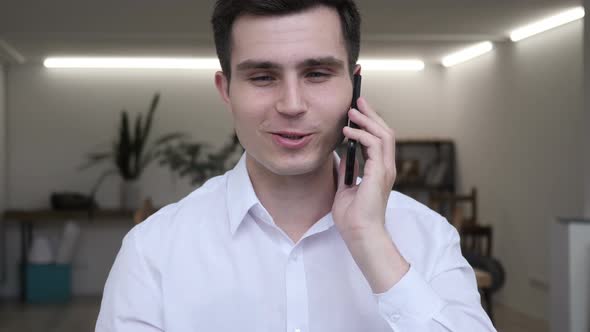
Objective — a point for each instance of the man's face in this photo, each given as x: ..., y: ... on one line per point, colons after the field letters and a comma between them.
x: 289, y: 77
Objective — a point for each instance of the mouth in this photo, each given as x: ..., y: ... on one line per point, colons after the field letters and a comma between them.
x: 291, y: 140
x: 291, y: 136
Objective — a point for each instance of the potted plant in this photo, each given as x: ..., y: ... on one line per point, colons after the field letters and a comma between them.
x: 190, y: 159
x: 131, y: 153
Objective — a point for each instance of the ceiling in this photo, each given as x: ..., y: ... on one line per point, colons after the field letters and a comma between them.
x: 428, y: 29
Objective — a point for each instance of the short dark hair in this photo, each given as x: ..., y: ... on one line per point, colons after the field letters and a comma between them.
x: 227, y: 11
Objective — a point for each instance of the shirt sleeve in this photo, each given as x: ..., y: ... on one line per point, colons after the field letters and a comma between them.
x: 132, y: 299
x: 449, y: 301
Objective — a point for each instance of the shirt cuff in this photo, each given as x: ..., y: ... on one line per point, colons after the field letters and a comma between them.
x: 411, y: 298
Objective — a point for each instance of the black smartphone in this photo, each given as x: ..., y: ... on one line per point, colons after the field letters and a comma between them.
x: 351, y: 149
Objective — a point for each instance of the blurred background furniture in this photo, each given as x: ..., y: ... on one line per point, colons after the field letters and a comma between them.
x: 28, y: 218
x: 569, y: 294
x: 426, y: 166
x: 476, y: 241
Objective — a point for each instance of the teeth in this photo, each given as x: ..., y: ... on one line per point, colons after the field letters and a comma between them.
x: 291, y: 136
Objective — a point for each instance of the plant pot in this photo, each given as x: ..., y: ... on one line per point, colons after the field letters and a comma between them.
x: 129, y: 199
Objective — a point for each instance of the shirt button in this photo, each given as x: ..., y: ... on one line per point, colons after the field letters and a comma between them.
x: 395, y: 316
x: 297, y: 330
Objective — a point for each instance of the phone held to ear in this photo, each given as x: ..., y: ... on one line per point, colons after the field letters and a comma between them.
x: 351, y: 149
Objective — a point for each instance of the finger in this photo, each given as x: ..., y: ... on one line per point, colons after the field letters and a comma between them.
x: 364, y: 152
x: 373, y: 144
x: 369, y: 124
x: 385, y: 134
x: 365, y: 108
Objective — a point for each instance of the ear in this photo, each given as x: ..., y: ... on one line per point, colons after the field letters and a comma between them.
x: 357, y: 69
x: 222, y: 85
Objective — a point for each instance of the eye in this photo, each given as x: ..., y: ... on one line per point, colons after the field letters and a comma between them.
x: 262, y: 80
x: 317, y: 76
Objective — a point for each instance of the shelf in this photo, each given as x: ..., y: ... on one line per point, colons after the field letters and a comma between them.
x: 48, y: 215
x: 425, y: 164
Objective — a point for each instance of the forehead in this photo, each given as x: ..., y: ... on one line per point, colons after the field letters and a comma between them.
x: 312, y: 33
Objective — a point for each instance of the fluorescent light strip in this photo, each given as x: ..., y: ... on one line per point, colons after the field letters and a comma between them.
x: 467, y: 54
x: 548, y: 23
x: 199, y: 63
x: 132, y: 63
x: 391, y: 65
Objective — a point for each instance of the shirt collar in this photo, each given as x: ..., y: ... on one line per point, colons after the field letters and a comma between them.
x: 241, y: 196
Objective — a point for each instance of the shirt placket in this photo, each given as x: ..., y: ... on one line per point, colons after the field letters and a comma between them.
x: 295, y: 279
x: 296, y: 288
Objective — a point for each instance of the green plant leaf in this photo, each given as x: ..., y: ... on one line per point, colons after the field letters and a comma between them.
x: 123, y: 148
x: 150, y: 116
x: 156, y: 147
x: 167, y: 138
x: 138, y: 144
x: 95, y: 158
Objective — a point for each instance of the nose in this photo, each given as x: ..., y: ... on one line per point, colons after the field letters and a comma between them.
x: 291, y: 101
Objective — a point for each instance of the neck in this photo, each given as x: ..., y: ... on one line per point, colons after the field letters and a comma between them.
x: 295, y: 202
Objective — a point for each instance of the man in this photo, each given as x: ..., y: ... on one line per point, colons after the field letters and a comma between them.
x: 280, y: 243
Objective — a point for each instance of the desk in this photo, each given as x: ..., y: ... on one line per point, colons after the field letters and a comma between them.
x: 27, y: 219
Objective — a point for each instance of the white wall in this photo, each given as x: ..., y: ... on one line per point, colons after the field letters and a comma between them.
x: 587, y: 113
x: 516, y: 115
x: 57, y: 116
x: 518, y: 122
x: 3, y: 157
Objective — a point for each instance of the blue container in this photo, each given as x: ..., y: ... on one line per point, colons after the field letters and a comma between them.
x: 48, y: 283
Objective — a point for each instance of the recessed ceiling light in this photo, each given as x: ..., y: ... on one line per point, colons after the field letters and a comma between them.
x: 467, y: 54
x: 548, y: 23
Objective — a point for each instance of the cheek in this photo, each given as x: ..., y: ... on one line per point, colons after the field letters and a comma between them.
x: 247, y: 106
x: 334, y: 109
x: 334, y: 96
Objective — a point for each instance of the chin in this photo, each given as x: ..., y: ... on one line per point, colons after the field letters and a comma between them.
x: 293, y: 166
x: 290, y: 165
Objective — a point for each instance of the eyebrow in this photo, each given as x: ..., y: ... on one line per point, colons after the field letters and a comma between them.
x: 329, y: 61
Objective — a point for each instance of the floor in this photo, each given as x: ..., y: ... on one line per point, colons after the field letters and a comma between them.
x: 80, y: 316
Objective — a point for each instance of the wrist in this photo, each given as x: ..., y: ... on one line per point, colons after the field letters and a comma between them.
x: 377, y: 257
x: 366, y: 234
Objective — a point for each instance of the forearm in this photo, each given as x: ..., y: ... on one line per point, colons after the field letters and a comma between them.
x: 377, y: 257
x: 408, y: 300
x: 415, y: 304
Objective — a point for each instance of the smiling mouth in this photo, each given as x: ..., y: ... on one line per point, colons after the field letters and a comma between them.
x: 292, y: 141
x: 293, y: 137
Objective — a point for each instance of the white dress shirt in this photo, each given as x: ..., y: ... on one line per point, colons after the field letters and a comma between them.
x: 215, y: 261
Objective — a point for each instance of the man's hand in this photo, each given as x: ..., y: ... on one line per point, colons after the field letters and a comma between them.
x: 359, y: 210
